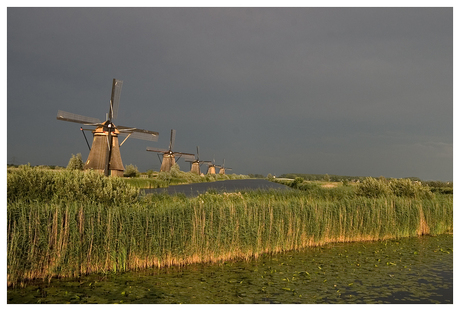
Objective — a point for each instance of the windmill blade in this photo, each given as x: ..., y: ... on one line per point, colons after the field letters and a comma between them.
x: 138, y: 133
x: 157, y: 150
x: 197, y: 153
x: 172, y: 140
x: 141, y: 135
x: 72, y: 117
x: 188, y: 156
x: 115, y: 98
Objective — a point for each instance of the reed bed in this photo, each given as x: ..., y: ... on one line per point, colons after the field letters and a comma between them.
x: 69, y: 238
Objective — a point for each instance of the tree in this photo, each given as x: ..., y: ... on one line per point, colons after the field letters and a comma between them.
x: 131, y: 171
x: 75, y: 162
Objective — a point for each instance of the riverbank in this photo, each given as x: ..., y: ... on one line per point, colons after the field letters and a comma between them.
x: 72, y: 223
x: 69, y: 239
x: 408, y: 270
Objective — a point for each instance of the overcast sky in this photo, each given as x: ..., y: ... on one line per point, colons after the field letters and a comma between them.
x: 346, y: 91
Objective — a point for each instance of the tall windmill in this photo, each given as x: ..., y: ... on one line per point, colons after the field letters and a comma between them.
x: 104, y: 153
x: 223, y: 168
x: 169, y: 156
x: 196, y: 163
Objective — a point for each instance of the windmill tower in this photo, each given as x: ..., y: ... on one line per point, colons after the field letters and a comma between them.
x: 211, y: 167
x: 169, y: 156
x: 104, y: 155
x: 196, y: 163
x: 223, y: 168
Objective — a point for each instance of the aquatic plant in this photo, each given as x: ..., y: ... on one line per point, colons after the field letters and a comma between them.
x: 71, y: 238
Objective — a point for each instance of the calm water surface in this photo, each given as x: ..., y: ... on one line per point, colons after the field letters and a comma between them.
x: 220, y: 186
x: 411, y: 270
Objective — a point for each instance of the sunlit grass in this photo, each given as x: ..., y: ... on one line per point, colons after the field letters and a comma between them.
x: 72, y: 238
x: 72, y: 223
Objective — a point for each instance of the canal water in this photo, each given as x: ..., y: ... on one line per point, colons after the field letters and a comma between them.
x: 219, y: 186
x: 403, y: 271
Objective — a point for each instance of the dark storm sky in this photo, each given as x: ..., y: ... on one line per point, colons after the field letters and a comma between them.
x: 347, y: 91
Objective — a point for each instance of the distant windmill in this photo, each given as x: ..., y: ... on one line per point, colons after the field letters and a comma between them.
x: 104, y: 155
x: 211, y: 167
x: 196, y: 163
x: 169, y: 156
x: 223, y: 168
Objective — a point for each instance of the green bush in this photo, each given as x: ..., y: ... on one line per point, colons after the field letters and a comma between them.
x: 75, y: 162
x: 373, y: 188
x: 297, y: 182
x: 409, y: 188
x: 33, y: 184
x: 131, y: 171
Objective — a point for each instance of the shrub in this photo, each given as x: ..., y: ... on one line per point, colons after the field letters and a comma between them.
x: 131, y: 171
x: 75, y: 162
x: 409, y: 188
x: 33, y: 184
x: 297, y: 182
x: 373, y: 188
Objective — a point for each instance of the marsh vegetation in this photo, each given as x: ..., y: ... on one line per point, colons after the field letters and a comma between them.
x: 71, y: 223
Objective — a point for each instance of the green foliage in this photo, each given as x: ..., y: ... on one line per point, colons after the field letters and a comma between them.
x: 256, y: 176
x: 373, y: 188
x: 33, y: 184
x: 69, y: 222
x: 175, y: 171
x: 70, y: 238
x: 176, y: 177
x: 75, y: 162
x: 409, y: 188
x: 131, y: 171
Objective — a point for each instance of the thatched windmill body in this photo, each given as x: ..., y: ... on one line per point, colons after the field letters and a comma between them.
x: 169, y: 156
x: 222, y: 168
x: 104, y: 155
x: 211, y: 167
x: 196, y: 163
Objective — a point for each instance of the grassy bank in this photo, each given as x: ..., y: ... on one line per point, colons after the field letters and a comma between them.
x: 69, y: 239
x: 165, y: 179
x: 59, y: 238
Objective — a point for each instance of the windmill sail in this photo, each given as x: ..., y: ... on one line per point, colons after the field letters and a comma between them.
x: 73, y: 117
x: 169, y: 156
x: 105, y: 151
x: 115, y: 98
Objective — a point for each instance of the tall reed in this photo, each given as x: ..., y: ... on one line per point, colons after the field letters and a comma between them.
x: 70, y: 238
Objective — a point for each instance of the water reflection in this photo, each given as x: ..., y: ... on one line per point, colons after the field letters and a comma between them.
x: 413, y: 270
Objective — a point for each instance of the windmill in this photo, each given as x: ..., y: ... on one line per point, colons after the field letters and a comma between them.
x: 196, y: 163
x: 223, y: 168
x: 211, y: 167
x: 104, y: 153
x: 169, y: 156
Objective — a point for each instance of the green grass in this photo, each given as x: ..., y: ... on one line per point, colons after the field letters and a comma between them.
x: 50, y: 236
x: 177, y: 177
